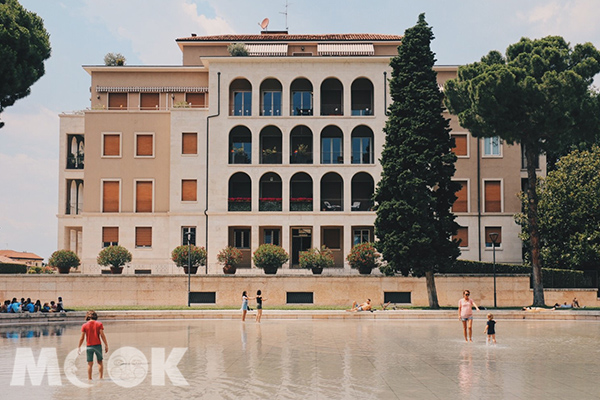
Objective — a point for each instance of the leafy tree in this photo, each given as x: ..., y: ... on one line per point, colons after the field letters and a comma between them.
x: 113, y: 59
x: 269, y: 256
x: 24, y: 45
x: 182, y: 254
x: 64, y: 259
x: 414, y: 223
x: 537, y: 96
x: 114, y: 256
x: 237, y: 49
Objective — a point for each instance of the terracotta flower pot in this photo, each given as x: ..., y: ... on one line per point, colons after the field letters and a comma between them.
x: 229, y: 269
x: 64, y: 270
x: 116, y: 270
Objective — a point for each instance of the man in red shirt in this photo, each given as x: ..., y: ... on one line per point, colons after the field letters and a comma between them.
x: 93, y: 330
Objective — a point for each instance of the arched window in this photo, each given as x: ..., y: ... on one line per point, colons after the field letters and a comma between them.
x: 362, y: 145
x: 301, y: 100
x: 301, y: 145
x: 362, y: 97
x: 270, y: 145
x: 332, y: 145
x: 301, y: 192
x: 363, y: 187
x: 332, y: 95
x: 240, y: 192
x: 332, y: 192
x: 240, y: 97
x: 240, y: 145
x: 270, y: 97
x: 270, y: 192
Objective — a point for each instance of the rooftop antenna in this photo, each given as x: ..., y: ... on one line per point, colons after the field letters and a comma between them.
x: 286, y: 15
x: 264, y: 24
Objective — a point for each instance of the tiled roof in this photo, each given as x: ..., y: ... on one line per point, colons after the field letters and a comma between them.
x: 19, y: 255
x: 282, y: 37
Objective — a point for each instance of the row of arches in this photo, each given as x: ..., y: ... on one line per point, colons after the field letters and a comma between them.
x: 301, y: 97
x: 330, y: 146
x: 302, y: 196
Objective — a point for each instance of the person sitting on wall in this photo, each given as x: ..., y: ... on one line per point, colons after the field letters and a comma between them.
x: 575, y: 303
x: 366, y: 306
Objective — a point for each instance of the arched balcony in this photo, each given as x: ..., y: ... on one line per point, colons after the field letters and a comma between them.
x: 75, y: 151
x: 270, y: 192
x: 363, y: 187
x: 240, y: 145
x: 362, y: 145
x: 332, y: 97
x: 301, y: 145
x: 301, y: 192
x: 270, y: 97
x: 332, y: 141
x: 240, y: 97
x: 362, y: 97
x: 270, y: 145
x: 74, y: 197
x: 240, y: 192
x: 301, y: 100
x: 332, y: 192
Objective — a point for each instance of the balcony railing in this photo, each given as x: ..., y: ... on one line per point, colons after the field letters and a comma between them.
x: 305, y: 157
x: 269, y: 204
x: 301, y: 111
x: 332, y: 204
x: 301, y: 204
x: 239, y: 157
x: 362, y: 111
x: 239, y: 204
x: 75, y: 161
x: 74, y: 209
x: 362, y: 204
x: 270, y: 157
x: 332, y: 109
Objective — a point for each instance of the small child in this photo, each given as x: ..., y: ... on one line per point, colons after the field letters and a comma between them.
x: 490, y: 328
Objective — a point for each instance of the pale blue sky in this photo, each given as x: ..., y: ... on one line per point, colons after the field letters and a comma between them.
x: 83, y: 31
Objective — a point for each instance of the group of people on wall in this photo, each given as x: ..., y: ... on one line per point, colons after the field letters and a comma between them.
x: 26, y: 305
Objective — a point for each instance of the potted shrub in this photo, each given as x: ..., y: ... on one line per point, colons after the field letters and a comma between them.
x: 192, y: 256
x: 363, y: 257
x: 230, y: 257
x: 270, y: 258
x: 237, y: 49
x: 316, y: 260
x: 114, y: 257
x: 64, y: 260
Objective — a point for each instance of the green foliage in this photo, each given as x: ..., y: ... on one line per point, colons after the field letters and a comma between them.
x: 114, y: 59
x: 269, y: 256
x: 197, y: 256
x: 237, y: 49
x: 114, y: 256
x: 24, y: 45
x: 34, y: 269
x: 363, y: 256
x: 415, y: 193
x: 64, y: 259
x: 317, y: 258
x: 6, y: 268
x: 230, y: 256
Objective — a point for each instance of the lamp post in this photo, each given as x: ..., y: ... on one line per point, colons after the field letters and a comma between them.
x: 189, y: 242
x: 494, y: 239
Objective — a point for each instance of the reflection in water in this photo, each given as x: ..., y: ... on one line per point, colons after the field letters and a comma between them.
x: 32, y: 331
x: 465, y: 370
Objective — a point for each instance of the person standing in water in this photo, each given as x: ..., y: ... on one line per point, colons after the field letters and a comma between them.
x: 93, y: 331
x: 245, y: 307
x: 465, y: 314
x: 490, y: 328
x: 259, y: 301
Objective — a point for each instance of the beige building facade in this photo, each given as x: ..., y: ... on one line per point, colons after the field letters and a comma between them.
x: 281, y: 146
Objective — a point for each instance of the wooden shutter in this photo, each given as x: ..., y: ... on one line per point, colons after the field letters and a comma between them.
x: 117, y: 101
x: 189, y: 143
x: 143, y: 236
x: 494, y: 229
x: 463, y: 235
x: 143, y: 197
x: 110, y: 234
x: 149, y: 101
x: 195, y: 99
x: 460, y: 146
x: 144, y: 145
x: 110, y: 196
x: 189, y: 190
x: 461, y: 203
x: 492, y: 196
x: 112, y: 145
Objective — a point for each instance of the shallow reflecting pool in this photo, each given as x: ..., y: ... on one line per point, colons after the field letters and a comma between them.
x: 306, y: 359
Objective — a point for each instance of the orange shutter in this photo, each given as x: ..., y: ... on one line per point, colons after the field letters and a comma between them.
x: 149, y: 101
x: 463, y: 236
x: 144, y: 145
x: 143, y: 197
x: 492, y: 196
x: 494, y: 229
x: 110, y: 196
x: 190, y: 143
x: 461, y: 203
x: 143, y: 237
x: 189, y: 190
x: 110, y: 234
x: 112, y: 145
x: 195, y: 99
x: 460, y: 146
x: 117, y: 101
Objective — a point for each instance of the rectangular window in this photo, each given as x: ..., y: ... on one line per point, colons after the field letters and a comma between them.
x: 361, y: 235
x: 302, y: 103
x: 144, y: 145
x: 117, y: 101
x: 462, y: 235
x: 332, y: 238
x: 196, y: 100
x: 188, y: 230
x: 488, y: 239
x: 189, y: 143
x: 493, y: 196
x: 397, y: 297
x: 110, y: 236
x: 203, y: 297
x: 460, y: 145
x: 143, y: 236
x: 462, y: 202
x: 331, y: 151
x: 111, y: 145
x: 242, y: 103
x: 362, y: 150
x: 110, y: 196
x: 299, y: 298
x: 189, y: 189
x: 241, y: 238
x: 143, y: 196
x: 492, y: 146
x: 524, y: 160
x: 271, y: 236
x: 149, y: 101
x: 271, y: 103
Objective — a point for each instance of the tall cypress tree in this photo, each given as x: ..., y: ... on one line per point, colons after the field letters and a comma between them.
x: 414, y: 223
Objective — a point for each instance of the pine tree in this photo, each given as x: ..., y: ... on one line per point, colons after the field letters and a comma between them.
x: 414, y: 223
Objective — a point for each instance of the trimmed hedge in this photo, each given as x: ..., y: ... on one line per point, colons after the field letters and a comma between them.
x: 13, y: 268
